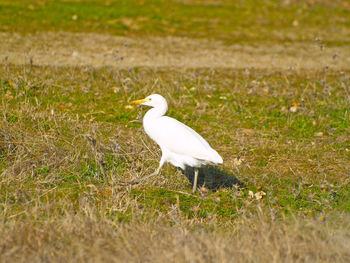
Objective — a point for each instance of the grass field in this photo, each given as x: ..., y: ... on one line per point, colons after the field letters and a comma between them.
x: 267, y: 83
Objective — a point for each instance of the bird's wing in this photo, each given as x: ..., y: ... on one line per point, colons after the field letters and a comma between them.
x: 181, y: 139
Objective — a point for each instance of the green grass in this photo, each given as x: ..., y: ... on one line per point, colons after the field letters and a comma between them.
x: 68, y: 137
x: 231, y: 21
x: 282, y: 148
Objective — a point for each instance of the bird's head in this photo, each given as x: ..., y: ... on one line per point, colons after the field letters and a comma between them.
x: 153, y: 100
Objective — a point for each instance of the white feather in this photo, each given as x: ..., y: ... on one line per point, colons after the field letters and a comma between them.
x: 180, y: 144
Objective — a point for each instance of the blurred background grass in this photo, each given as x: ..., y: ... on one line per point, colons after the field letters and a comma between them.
x: 231, y: 21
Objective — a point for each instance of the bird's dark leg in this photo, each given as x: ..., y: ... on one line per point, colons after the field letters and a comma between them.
x: 195, y: 180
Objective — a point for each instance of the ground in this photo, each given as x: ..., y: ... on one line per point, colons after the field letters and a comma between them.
x: 266, y: 84
x: 82, y: 49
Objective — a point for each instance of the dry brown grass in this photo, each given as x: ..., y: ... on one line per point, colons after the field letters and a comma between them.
x: 67, y: 49
x: 276, y: 108
x: 59, y: 195
x: 85, y: 236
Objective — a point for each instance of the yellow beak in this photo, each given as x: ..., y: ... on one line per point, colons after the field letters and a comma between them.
x: 137, y: 101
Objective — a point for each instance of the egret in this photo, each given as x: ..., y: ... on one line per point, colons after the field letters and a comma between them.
x: 180, y: 145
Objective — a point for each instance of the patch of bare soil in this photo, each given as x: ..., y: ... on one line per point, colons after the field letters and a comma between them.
x: 82, y: 49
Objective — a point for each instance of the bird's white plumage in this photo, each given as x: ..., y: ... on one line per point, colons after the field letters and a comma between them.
x: 174, y: 137
x: 180, y: 145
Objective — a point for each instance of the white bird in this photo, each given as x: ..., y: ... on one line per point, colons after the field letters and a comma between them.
x: 181, y: 146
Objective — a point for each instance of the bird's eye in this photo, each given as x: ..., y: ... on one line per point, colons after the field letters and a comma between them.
x: 150, y: 99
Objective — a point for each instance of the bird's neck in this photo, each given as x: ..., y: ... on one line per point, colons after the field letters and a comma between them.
x: 155, y: 113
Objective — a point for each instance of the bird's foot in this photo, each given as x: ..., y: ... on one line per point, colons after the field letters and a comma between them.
x: 137, y: 181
